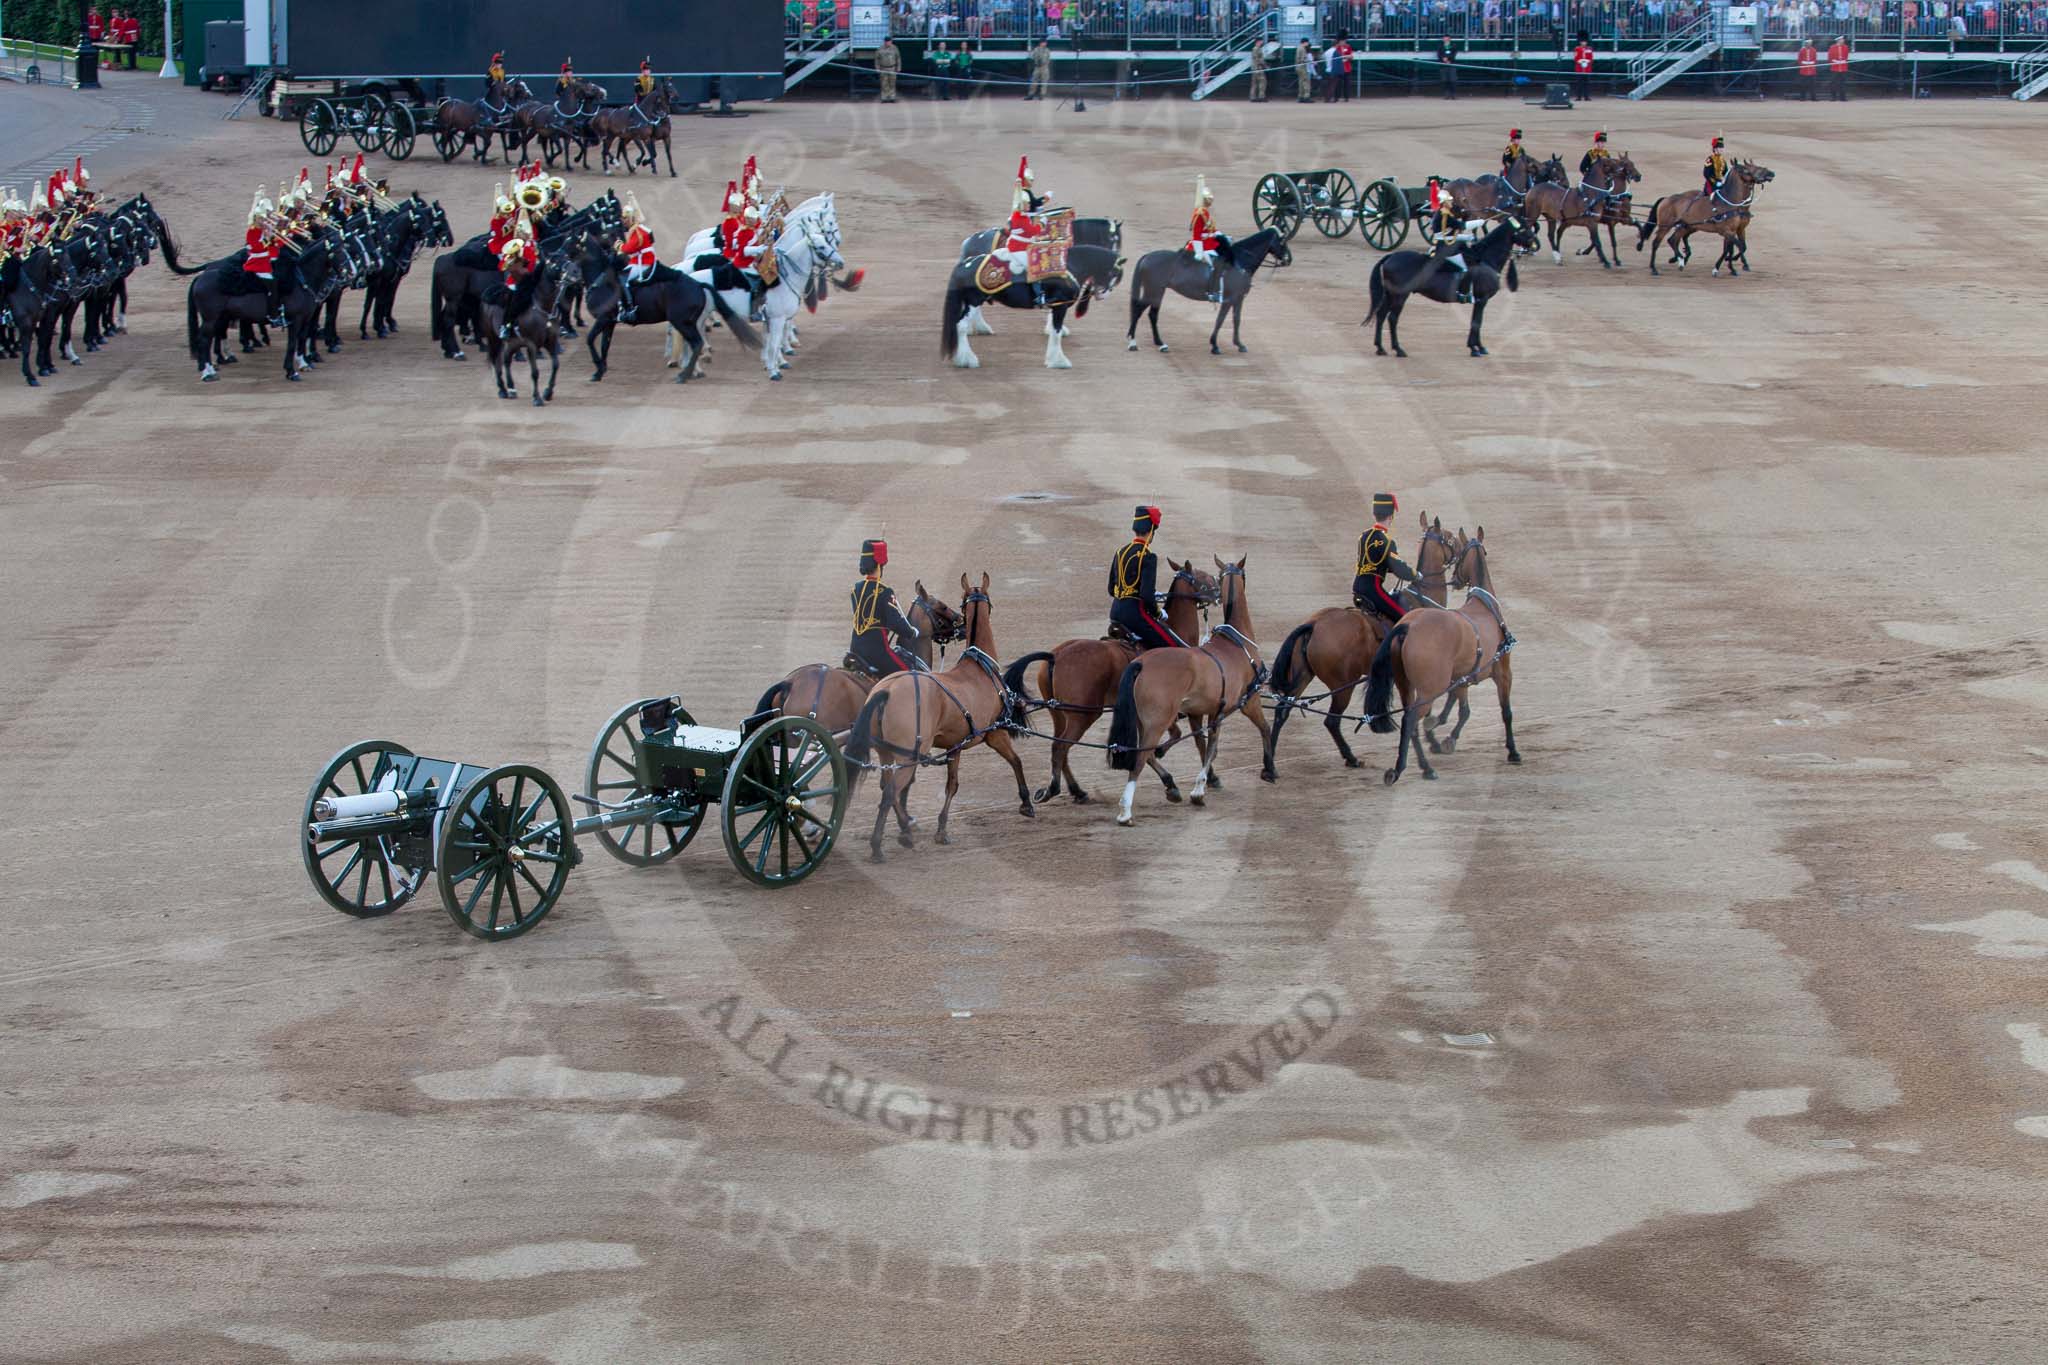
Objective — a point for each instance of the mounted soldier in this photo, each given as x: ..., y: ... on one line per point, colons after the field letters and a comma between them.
x: 1513, y: 152
x: 876, y: 617
x: 520, y: 260
x: 1204, y: 242
x: 643, y: 84
x: 565, y: 81
x: 1450, y: 234
x: 494, y: 75
x: 643, y: 266
x: 1376, y: 559
x: 1134, y: 587
x: 1022, y: 227
x: 1716, y: 169
x: 1595, y: 154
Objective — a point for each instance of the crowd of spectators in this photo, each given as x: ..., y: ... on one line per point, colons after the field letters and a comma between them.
x: 1370, y: 21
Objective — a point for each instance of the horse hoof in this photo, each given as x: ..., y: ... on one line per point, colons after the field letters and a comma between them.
x: 1450, y: 746
x: 1045, y: 794
x: 1390, y: 777
x: 775, y: 378
x: 35, y: 383
x: 1353, y: 763
x: 1514, y: 757
x: 1379, y: 350
x: 875, y: 856
x: 1173, y: 796
x: 1268, y: 775
x: 1242, y: 350
x: 905, y: 840
x: 292, y: 378
x: 1132, y: 345
x: 1027, y: 812
x: 1165, y: 349
x: 1429, y: 774
x: 1125, y: 820
x: 1081, y: 798
x: 942, y: 838
x: 1198, y: 800
x: 1213, y: 350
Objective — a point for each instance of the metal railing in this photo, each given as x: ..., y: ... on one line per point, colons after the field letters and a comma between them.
x: 1228, y: 49
x: 1648, y: 63
x: 22, y: 60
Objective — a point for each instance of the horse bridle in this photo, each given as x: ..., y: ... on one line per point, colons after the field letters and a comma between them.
x: 1458, y: 577
x: 941, y: 635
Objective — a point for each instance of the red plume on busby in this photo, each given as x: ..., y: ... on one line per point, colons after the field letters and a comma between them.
x: 874, y: 556
x: 1145, y: 521
x: 1514, y: 134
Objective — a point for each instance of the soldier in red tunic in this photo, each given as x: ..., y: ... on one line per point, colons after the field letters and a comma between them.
x: 643, y: 266
x: 1016, y: 248
x: 1582, y: 68
x: 1203, y: 239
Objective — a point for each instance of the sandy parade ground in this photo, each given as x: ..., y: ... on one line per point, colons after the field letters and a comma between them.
x: 1715, y: 1031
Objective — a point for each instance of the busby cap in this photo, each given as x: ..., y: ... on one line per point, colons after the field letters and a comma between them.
x: 1384, y: 505
x: 566, y: 68
x: 1145, y: 521
x: 1719, y: 142
x: 874, y: 554
x: 1514, y: 134
x: 497, y: 57
x: 1600, y: 136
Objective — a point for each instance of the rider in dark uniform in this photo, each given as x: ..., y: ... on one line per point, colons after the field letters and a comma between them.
x: 1133, y: 586
x: 1511, y: 153
x: 1717, y: 164
x: 875, y: 617
x: 1376, y: 558
x: 494, y: 74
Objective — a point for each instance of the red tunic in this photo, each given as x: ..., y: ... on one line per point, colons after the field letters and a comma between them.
x: 1582, y: 59
x: 1023, y: 227
x: 529, y: 257
x: 734, y: 234
x: 1202, y: 231
x: 639, y: 247
x: 1838, y: 57
x: 1809, y: 60
x: 262, y: 251
x: 94, y: 29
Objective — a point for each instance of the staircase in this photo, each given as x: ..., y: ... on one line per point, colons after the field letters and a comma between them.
x: 810, y: 56
x: 2031, y: 71
x: 1230, y: 58
x: 1651, y: 71
x: 251, y: 95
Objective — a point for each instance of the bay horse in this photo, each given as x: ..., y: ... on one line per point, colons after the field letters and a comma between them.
x: 1490, y: 196
x: 1205, y: 684
x: 461, y: 125
x: 1091, y: 271
x: 1078, y: 678
x: 1585, y: 205
x: 553, y: 123
x: 1403, y: 273
x: 1436, y: 652
x: 1726, y: 213
x: 641, y: 124
x: 833, y: 696
x: 1335, y: 647
x: 535, y: 331
x: 1618, y: 210
x: 1160, y: 271
x: 950, y: 712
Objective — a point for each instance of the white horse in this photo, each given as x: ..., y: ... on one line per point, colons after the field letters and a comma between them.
x: 806, y: 253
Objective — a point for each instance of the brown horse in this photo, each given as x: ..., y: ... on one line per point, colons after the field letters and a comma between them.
x: 1725, y: 212
x: 1078, y: 678
x: 460, y: 124
x: 536, y: 332
x: 1586, y: 204
x: 1206, y: 685
x: 1435, y: 653
x: 640, y: 125
x: 1489, y: 196
x: 909, y: 714
x: 833, y: 696
x: 1618, y: 209
x: 1335, y: 647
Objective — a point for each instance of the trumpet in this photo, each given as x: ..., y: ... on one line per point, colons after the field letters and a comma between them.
x: 532, y: 196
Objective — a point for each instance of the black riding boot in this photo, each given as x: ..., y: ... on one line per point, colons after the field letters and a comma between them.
x: 1215, y: 282
x: 757, y: 296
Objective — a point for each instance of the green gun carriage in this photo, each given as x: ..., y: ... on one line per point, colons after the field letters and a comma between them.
x: 373, y: 122
x: 1332, y: 200
x: 500, y: 841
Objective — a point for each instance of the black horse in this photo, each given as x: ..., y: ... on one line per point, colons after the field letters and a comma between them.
x: 223, y: 293
x: 31, y: 287
x: 1398, y: 275
x: 1237, y: 262
x: 1091, y: 270
x: 520, y: 320
x: 678, y: 302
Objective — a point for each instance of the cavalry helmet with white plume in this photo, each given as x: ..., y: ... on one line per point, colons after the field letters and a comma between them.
x: 1204, y: 196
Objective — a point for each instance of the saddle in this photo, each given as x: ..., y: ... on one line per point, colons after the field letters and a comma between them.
x: 992, y: 276
x: 1118, y: 635
x: 858, y: 666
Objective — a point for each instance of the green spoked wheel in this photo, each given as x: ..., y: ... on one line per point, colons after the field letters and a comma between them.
x: 1276, y: 203
x: 447, y: 142
x: 362, y: 876
x: 785, y: 798
x: 1383, y: 215
x: 319, y: 127
x: 612, y: 778
x: 505, y: 852
x: 1333, y: 205
x: 366, y: 124
x: 399, y: 132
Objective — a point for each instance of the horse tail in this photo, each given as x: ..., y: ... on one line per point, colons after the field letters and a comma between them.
x: 741, y: 331
x: 1013, y: 676
x: 772, y: 699
x: 860, y: 741
x: 1514, y: 279
x: 436, y: 306
x: 192, y: 322
x: 1283, y: 663
x: 1649, y: 223
x: 1123, y: 722
x: 163, y: 237
x: 1379, y: 685
x: 949, y: 323
x: 1376, y: 287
